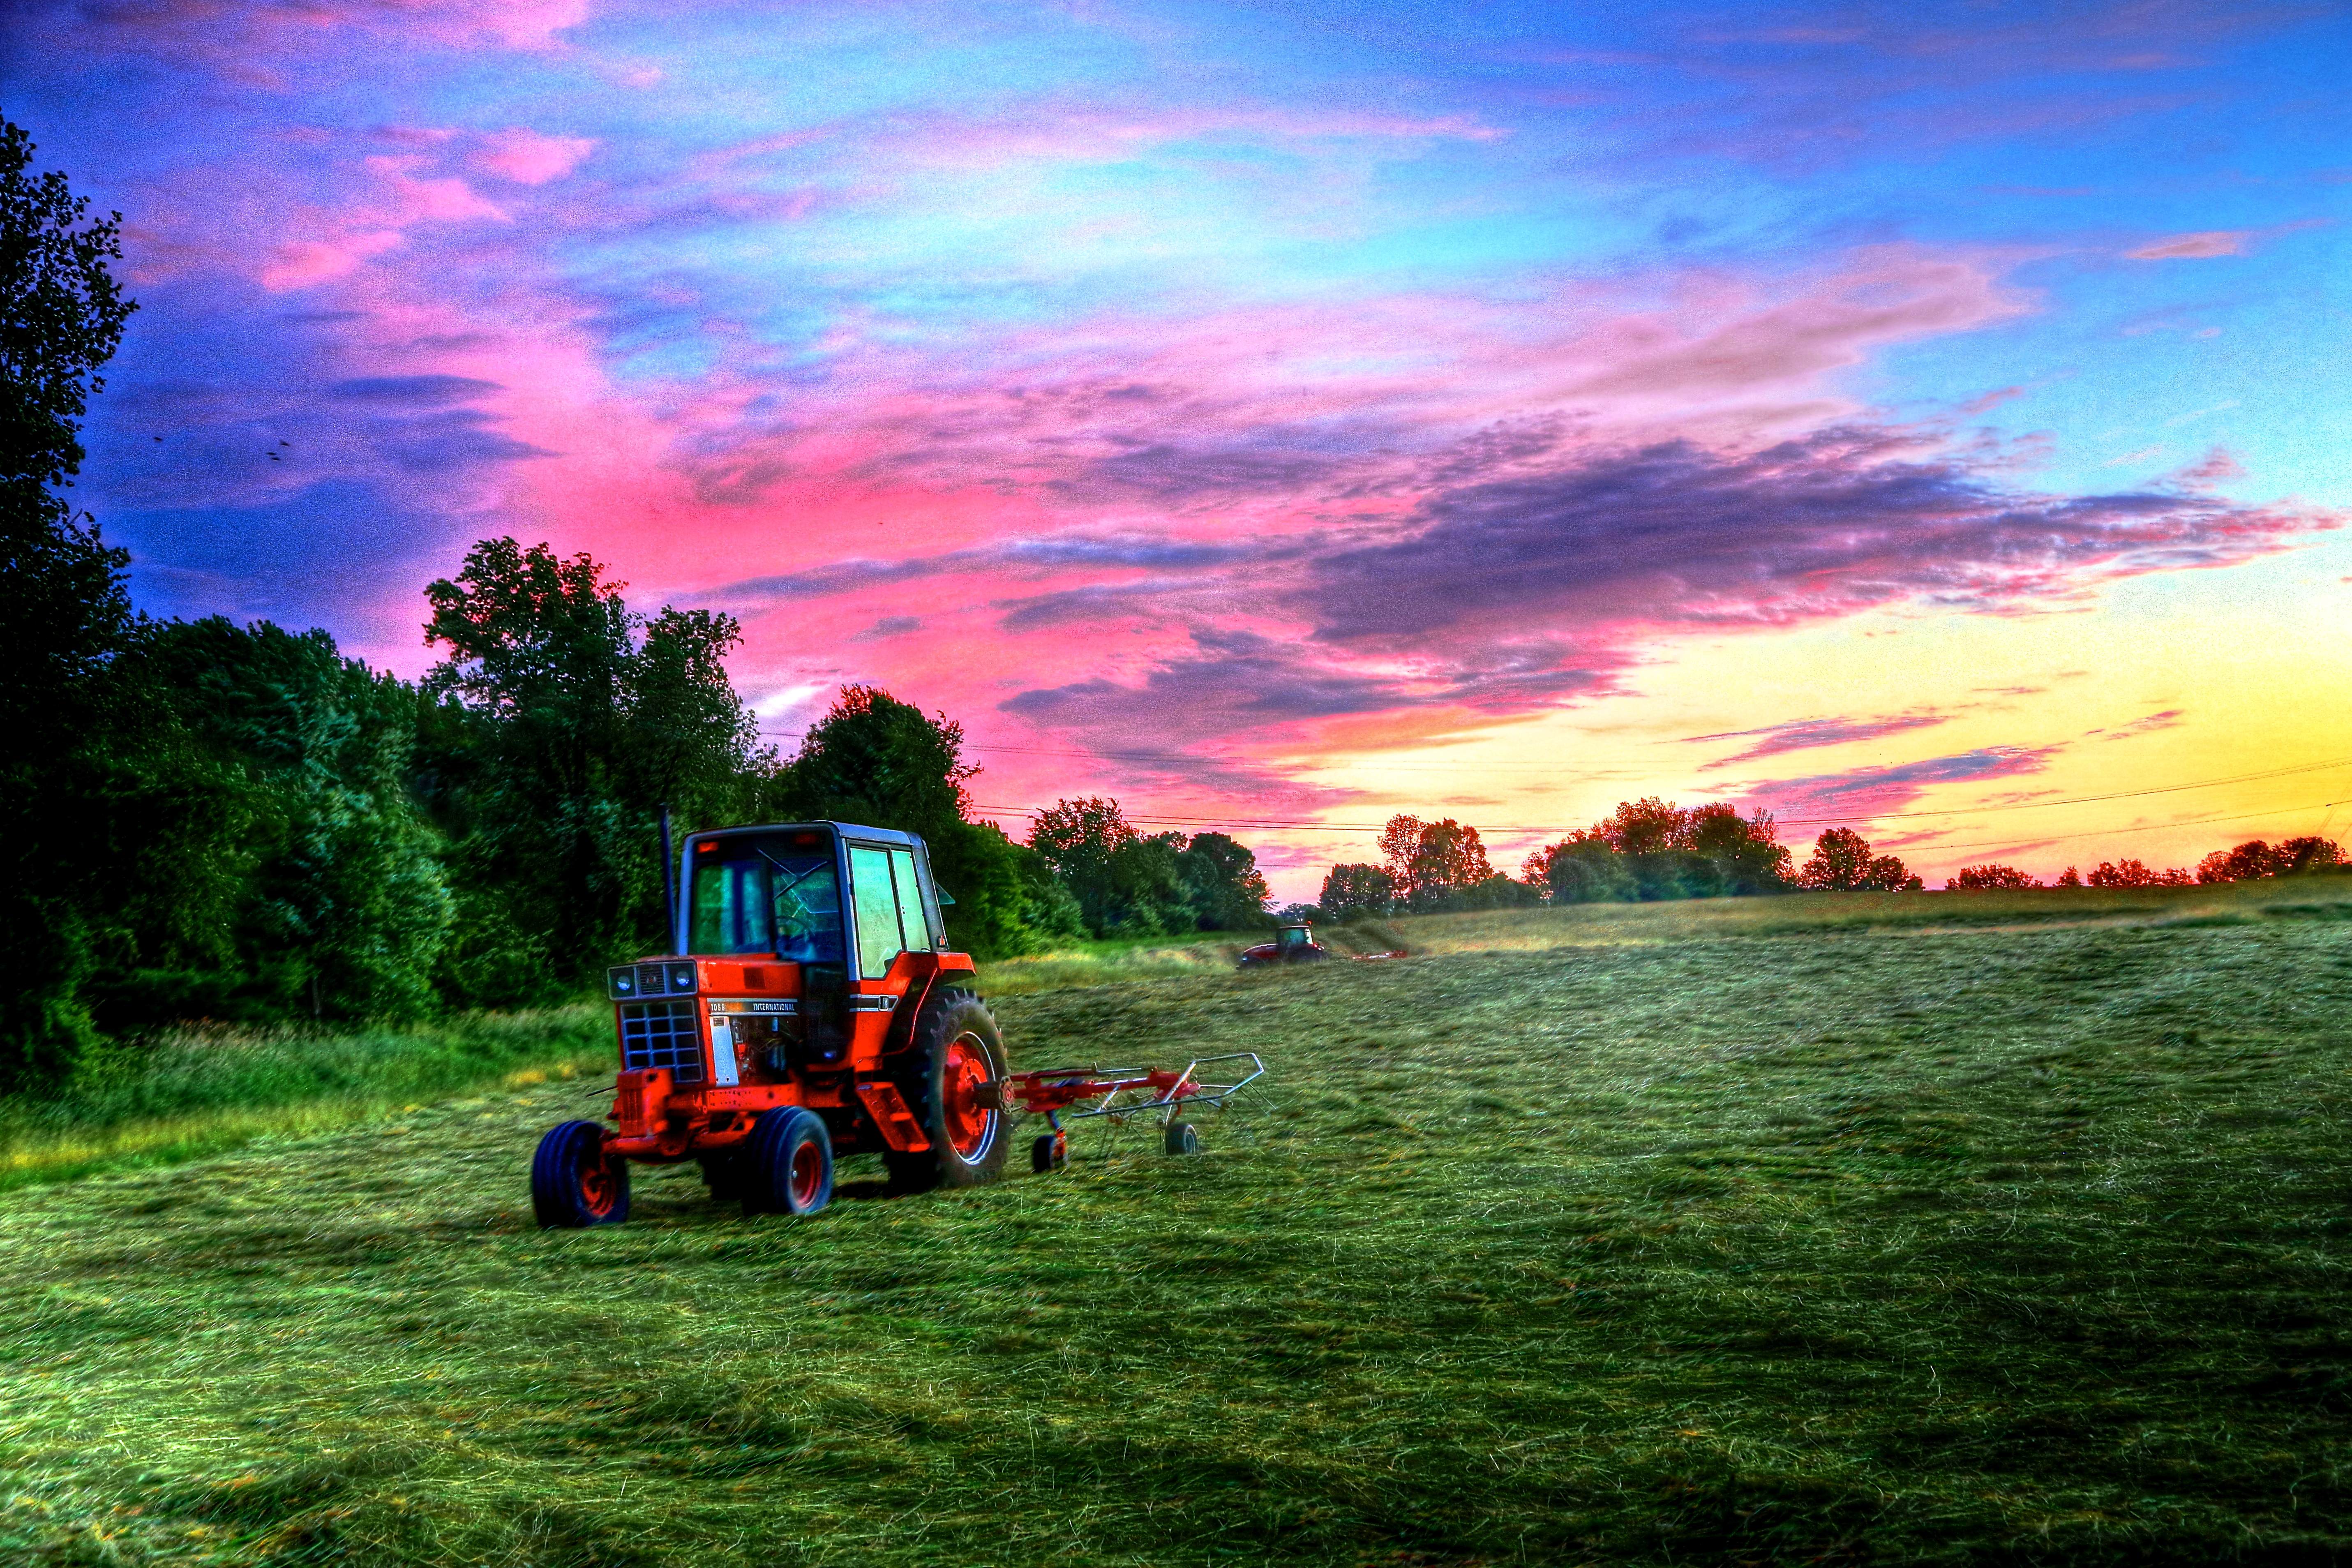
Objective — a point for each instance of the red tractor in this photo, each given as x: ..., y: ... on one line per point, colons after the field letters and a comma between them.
x: 816, y: 1011
x: 1292, y: 943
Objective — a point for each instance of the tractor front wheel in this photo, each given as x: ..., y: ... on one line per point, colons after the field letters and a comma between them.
x: 574, y: 1184
x: 951, y: 1076
x: 786, y: 1166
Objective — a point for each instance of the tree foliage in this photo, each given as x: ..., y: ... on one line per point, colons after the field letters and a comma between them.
x: 1986, y: 879
x: 1127, y: 883
x: 2256, y: 859
x: 577, y: 721
x: 2137, y: 874
x: 1356, y: 889
x: 876, y: 760
x: 1221, y: 883
x: 61, y: 317
x: 1842, y: 863
x: 1651, y: 848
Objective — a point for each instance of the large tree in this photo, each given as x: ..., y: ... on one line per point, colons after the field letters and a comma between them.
x: 1357, y: 890
x: 1841, y: 862
x: 61, y: 598
x: 297, y: 877
x: 876, y: 760
x: 574, y: 721
x: 1127, y: 883
x: 2255, y: 860
x: 1222, y: 882
x: 1448, y: 860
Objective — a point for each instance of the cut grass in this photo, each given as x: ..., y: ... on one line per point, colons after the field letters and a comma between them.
x: 2324, y: 897
x: 192, y: 1092
x: 2014, y: 1247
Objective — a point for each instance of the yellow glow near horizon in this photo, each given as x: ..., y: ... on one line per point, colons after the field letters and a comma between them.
x: 2252, y: 660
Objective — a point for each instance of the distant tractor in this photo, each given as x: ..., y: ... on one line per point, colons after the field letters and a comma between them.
x: 815, y: 1010
x: 1291, y: 944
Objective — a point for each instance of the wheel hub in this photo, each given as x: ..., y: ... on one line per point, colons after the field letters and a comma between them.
x: 598, y: 1191
x: 969, y: 1124
x: 808, y: 1174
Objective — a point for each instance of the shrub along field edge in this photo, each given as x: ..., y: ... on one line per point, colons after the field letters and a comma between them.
x: 184, y: 1094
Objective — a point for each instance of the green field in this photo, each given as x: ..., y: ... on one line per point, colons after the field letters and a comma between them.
x: 1805, y: 1230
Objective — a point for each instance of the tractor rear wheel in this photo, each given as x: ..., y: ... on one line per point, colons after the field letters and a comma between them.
x: 951, y: 1076
x: 787, y: 1165
x: 574, y: 1184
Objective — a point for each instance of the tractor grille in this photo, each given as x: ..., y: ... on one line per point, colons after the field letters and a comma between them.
x: 662, y: 1034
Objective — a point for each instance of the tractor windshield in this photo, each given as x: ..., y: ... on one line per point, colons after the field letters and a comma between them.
x: 768, y: 894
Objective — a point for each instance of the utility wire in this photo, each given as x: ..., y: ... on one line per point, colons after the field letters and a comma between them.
x: 1170, y: 760
x: 1278, y: 825
x: 2117, y: 832
x: 1282, y: 826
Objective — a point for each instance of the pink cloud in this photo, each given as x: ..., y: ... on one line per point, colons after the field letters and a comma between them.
x: 529, y: 158
x: 2137, y: 727
x: 300, y: 264
x: 2198, y: 246
x: 2217, y: 467
x: 248, y: 40
x: 396, y: 195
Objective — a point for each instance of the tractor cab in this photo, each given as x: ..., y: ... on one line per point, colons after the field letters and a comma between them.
x: 1293, y: 944
x: 810, y: 1009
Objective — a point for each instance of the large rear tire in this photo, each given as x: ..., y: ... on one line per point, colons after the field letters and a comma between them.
x: 952, y: 1075
x: 786, y: 1166
x: 574, y: 1184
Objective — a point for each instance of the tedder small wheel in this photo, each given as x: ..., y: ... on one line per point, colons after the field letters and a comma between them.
x: 1181, y: 1139
x: 1050, y: 1151
x: 949, y: 1075
x: 574, y: 1184
x: 786, y: 1164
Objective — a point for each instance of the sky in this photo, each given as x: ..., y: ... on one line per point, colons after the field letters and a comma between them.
x: 1928, y: 418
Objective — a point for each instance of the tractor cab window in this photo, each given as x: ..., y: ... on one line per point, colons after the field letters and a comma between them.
x: 1292, y: 936
x: 879, y: 936
x: 768, y: 894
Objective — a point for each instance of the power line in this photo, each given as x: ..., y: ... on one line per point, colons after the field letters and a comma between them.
x: 2144, y: 827
x: 1170, y: 760
x: 1162, y: 759
x: 1269, y: 825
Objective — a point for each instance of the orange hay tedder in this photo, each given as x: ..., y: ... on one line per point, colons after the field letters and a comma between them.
x: 815, y: 1010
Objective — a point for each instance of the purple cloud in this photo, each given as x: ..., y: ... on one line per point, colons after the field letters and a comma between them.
x: 2150, y: 724
x: 1860, y: 794
x: 1803, y: 734
x: 1673, y: 535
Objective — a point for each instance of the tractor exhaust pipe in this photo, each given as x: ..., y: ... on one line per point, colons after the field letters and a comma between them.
x: 669, y: 883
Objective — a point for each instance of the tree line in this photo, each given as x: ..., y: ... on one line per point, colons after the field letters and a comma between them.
x: 1651, y: 849
x: 1646, y: 850
x: 2252, y: 861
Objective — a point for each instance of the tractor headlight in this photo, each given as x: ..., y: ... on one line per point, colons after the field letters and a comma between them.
x: 634, y: 979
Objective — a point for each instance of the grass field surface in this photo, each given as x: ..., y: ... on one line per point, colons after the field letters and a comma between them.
x: 1721, y: 1243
